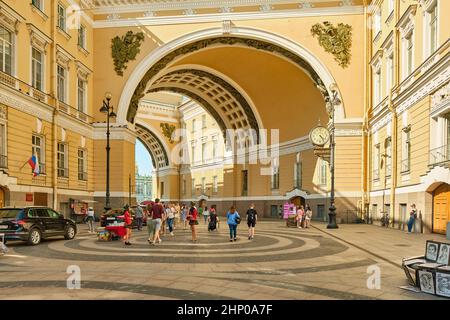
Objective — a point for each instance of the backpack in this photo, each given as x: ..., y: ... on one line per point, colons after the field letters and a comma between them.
x: 251, y: 215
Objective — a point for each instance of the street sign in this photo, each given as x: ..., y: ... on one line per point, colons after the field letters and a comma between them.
x: 323, y: 153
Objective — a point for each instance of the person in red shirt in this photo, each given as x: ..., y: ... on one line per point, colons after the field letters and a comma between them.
x: 157, y: 215
x: 127, y: 220
x: 192, y: 217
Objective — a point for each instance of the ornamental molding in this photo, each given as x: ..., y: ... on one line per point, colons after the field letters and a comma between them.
x: 375, y: 63
x: 125, y: 49
x: 39, y: 40
x: 407, y: 21
x: 3, y: 113
x: 6, y: 180
x: 427, y: 4
x: 388, y: 44
x: 440, y: 101
x: 381, y: 123
x: 296, y: 193
x: 117, y: 133
x: 9, y: 18
x: 34, y: 108
x: 63, y: 58
x: 83, y: 72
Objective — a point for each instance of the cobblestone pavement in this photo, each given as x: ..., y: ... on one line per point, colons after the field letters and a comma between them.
x: 280, y: 263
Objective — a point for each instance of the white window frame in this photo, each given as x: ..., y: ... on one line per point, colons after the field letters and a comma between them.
x: 323, y: 173
x: 215, y: 184
x: 431, y: 7
x: 64, y: 88
x: 82, y: 175
x: 203, y: 185
x: 391, y: 5
x: 390, y: 72
x: 84, y: 95
x: 204, y: 151
x: 193, y: 186
x: 4, y: 141
x: 63, y: 172
x: 275, y: 178
x: 41, y: 147
x: 42, y: 64
x: 376, y: 161
x: 82, y: 36
x: 40, y: 4
x: 12, y: 46
x: 62, y: 19
x: 376, y: 24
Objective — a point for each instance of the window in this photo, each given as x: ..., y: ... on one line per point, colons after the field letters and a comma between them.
x: 377, y: 87
x: 193, y: 152
x: 193, y: 126
x: 204, y: 151
x: 82, y: 96
x: 6, y: 51
x: 38, y: 149
x: 162, y: 188
x: 183, y: 188
x: 193, y: 186
x: 409, y: 64
x: 203, y: 184
x: 433, y: 29
x: 82, y: 36
x: 204, y: 121
x: 214, y: 151
x: 38, y: 4
x: 389, y: 74
x: 406, y: 149
x: 298, y: 174
x: 376, y: 23
x: 323, y: 172
x: 3, y: 158
x: 275, y: 177
x: 62, y: 83
x: 244, y: 183
x: 376, y: 162
x: 63, y: 171
x: 215, y: 184
x: 37, y: 69
x: 388, y: 152
x: 82, y: 164
x: 391, y: 6
x: 61, y: 17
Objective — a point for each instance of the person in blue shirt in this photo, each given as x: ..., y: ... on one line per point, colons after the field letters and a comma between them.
x: 233, y: 220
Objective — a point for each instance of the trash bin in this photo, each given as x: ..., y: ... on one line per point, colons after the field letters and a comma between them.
x: 448, y: 230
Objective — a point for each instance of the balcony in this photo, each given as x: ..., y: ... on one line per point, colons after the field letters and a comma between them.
x: 3, y: 162
x: 26, y: 89
x: 440, y: 155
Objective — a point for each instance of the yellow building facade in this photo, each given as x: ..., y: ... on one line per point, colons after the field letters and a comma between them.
x: 209, y: 68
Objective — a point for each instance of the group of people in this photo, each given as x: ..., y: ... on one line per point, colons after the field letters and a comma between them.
x: 303, y: 216
x: 160, y: 217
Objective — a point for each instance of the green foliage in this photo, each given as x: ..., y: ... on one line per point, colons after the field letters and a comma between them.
x: 335, y: 40
x: 125, y: 49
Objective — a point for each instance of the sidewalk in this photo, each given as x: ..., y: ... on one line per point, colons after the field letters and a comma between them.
x: 388, y: 244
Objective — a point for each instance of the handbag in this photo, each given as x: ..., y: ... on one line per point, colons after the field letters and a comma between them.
x: 238, y: 220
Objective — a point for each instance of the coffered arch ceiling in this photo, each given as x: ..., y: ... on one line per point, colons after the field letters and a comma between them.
x: 281, y: 85
x: 154, y: 146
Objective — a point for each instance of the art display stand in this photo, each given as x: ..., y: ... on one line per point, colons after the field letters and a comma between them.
x: 430, y: 273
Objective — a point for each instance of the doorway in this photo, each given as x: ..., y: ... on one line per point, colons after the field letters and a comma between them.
x: 441, y: 208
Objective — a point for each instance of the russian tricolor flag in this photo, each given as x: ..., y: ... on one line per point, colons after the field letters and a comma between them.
x: 34, y: 164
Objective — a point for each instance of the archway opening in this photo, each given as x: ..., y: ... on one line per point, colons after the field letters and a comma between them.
x: 144, y: 175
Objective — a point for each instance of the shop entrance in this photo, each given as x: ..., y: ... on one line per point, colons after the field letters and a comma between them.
x: 441, y: 208
x: 298, y: 201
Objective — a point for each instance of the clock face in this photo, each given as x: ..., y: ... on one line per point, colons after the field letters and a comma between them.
x: 319, y: 136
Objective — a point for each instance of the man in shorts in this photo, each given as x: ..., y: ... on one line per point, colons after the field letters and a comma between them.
x: 157, y: 215
x: 252, y: 217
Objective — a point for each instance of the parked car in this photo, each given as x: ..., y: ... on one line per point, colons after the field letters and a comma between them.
x: 32, y: 224
x: 117, y: 215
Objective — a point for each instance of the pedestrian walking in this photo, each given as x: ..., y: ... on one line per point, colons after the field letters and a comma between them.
x: 177, y: 215
x: 170, y: 218
x: 412, y: 218
x: 150, y: 224
x: 91, y: 220
x: 252, y: 216
x: 157, y: 215
x: 299, y: 217
x: 308, y: 216
x: 212, y: 220
x: 192, y: 217
x: 233, y: 219
x: 205, y: 214
x: 184, y: 211
x: 139, y: 215
x: 128, y: 222
x: 163, y: 220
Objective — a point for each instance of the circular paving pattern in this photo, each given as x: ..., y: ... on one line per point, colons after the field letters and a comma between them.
x: 212, y: 247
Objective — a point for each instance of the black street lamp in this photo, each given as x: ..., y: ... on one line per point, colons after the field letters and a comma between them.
x: 332, y: 102
x: 109, y: 111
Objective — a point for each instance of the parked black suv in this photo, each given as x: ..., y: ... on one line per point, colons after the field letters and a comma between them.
x: 32, y: 224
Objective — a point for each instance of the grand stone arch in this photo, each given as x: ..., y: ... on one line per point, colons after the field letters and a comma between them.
x: 158, y: 151
x: 156, y: 62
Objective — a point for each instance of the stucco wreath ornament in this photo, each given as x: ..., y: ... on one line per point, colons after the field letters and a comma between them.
x: 168, y: 131
x: 125, y: 49
x: 335, y: 40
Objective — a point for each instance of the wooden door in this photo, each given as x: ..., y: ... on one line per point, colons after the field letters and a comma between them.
x: 40, y: 199
x: 441, y: 208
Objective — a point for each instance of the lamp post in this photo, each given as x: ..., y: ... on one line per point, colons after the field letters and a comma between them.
x: 332, y: 102
x: 109, y: 111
